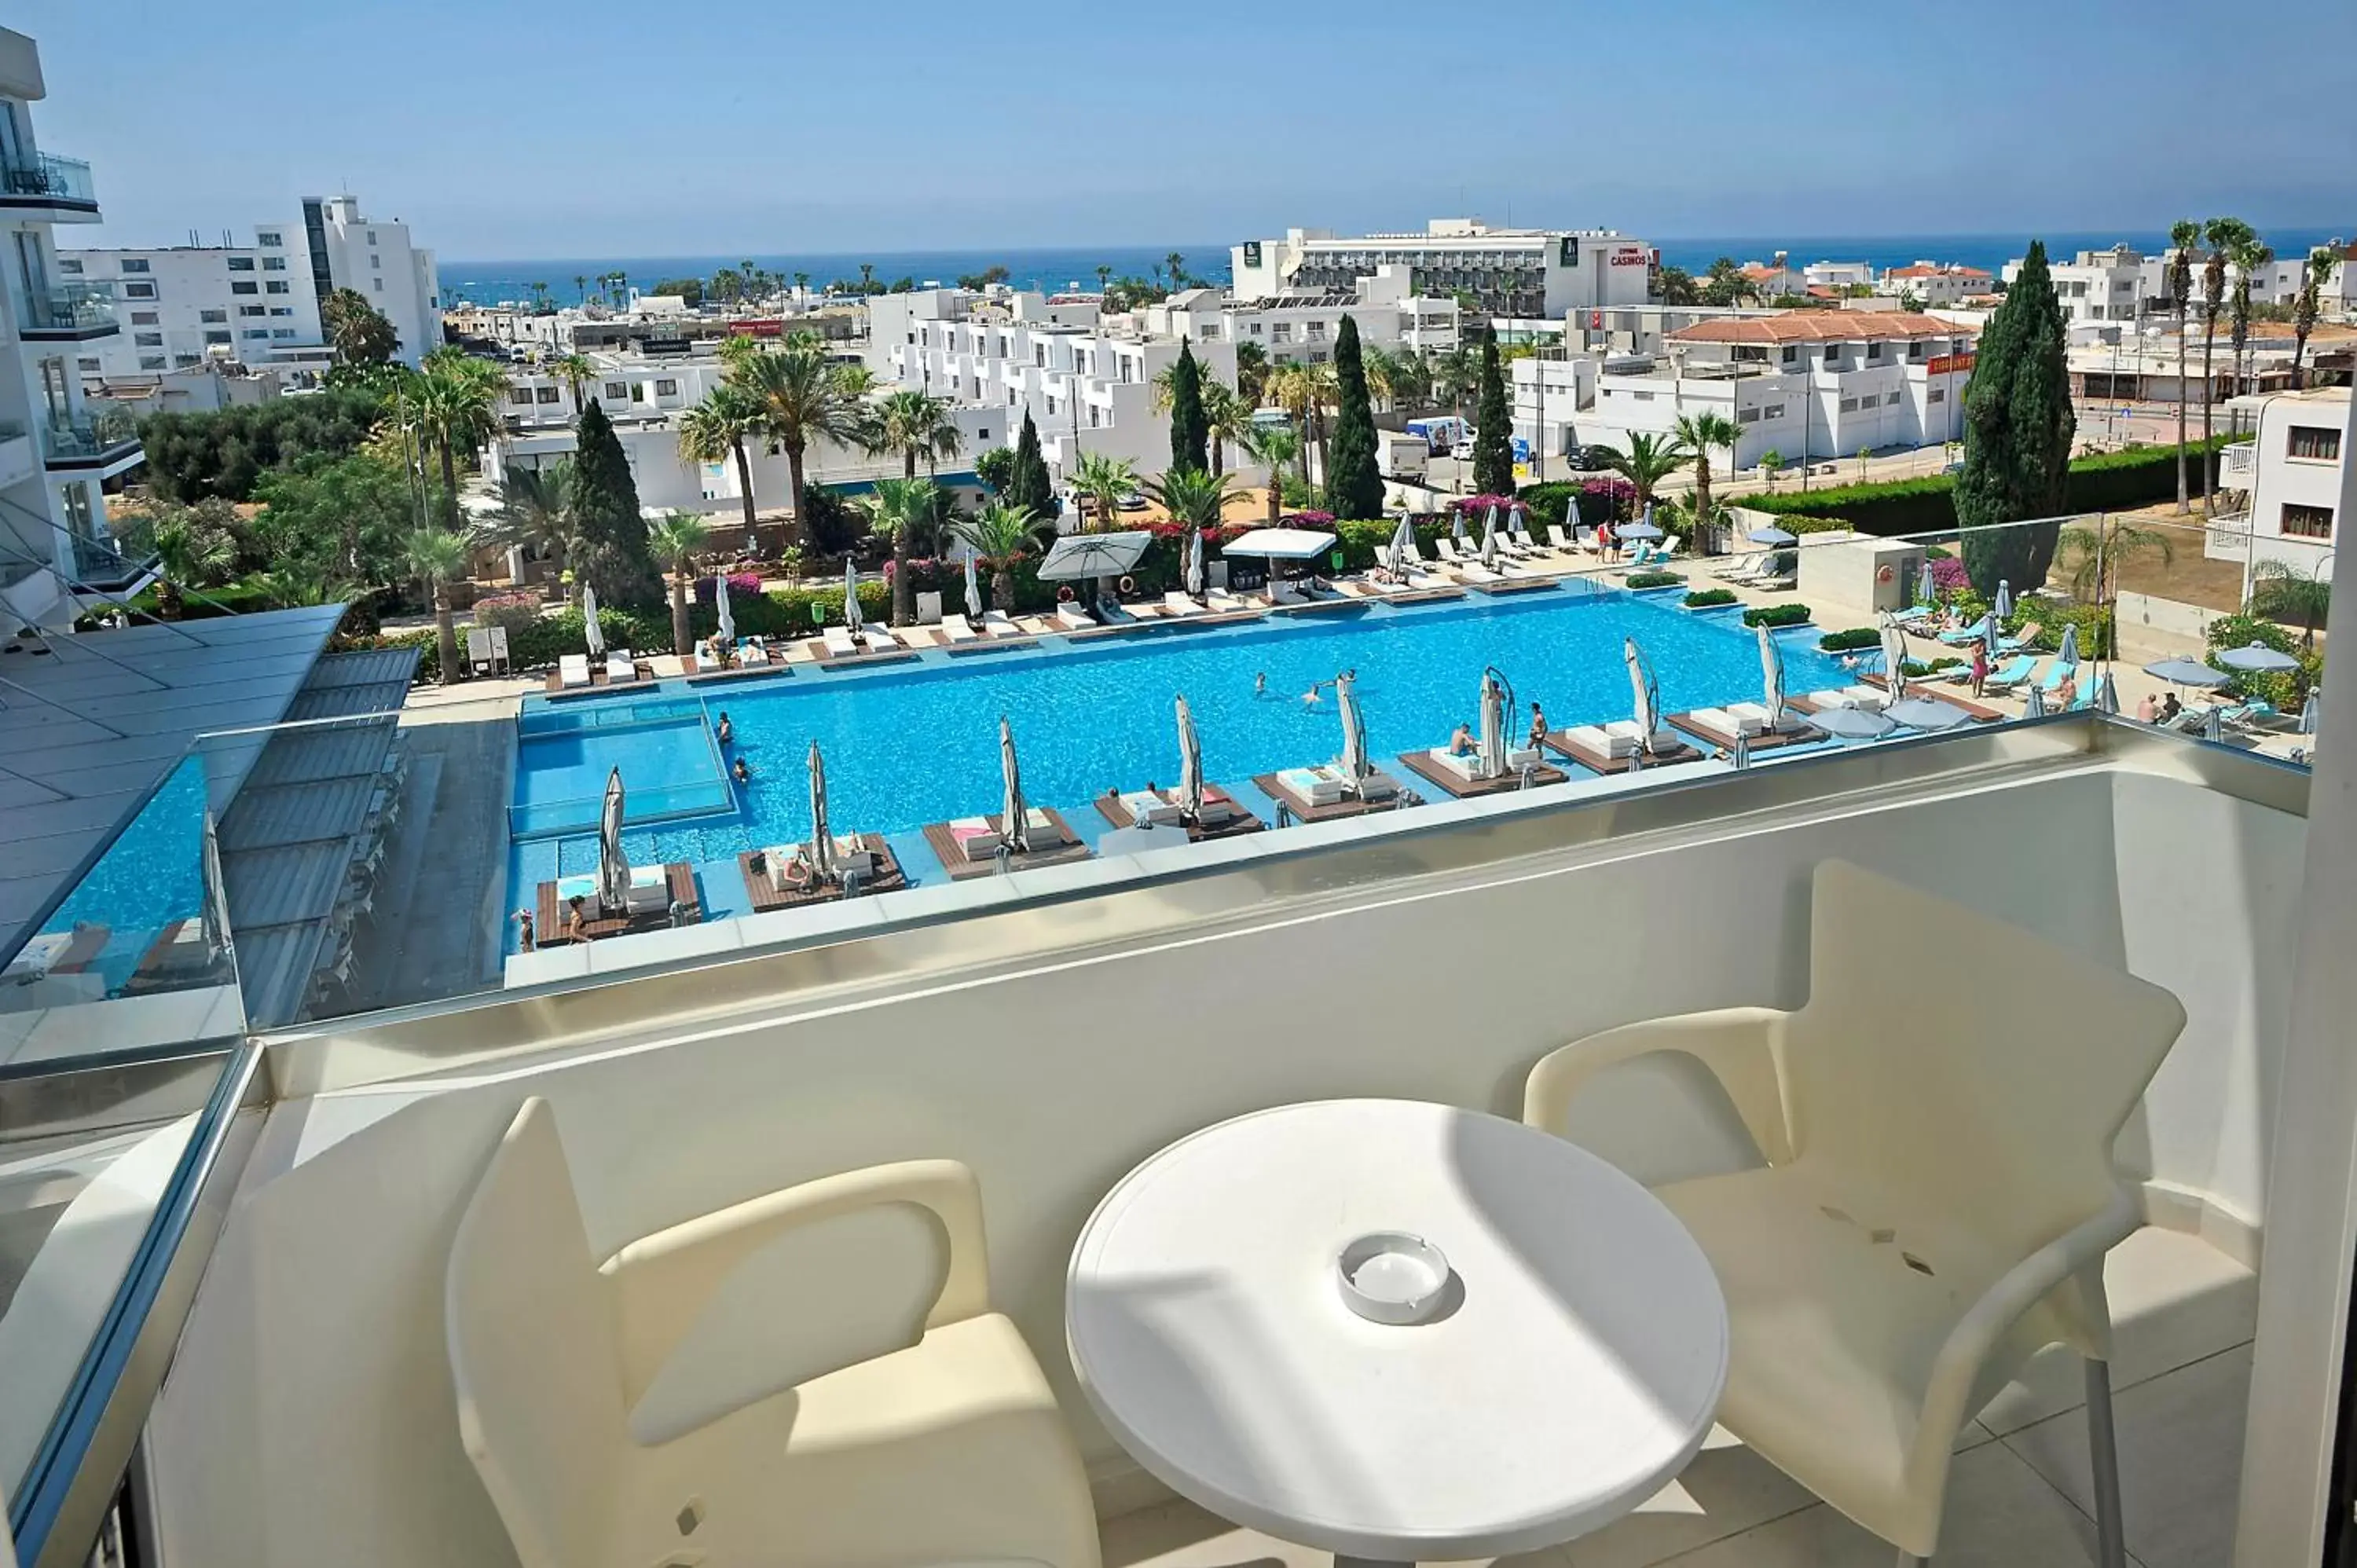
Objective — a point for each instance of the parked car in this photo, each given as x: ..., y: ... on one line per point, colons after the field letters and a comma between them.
x: 1463, y: 450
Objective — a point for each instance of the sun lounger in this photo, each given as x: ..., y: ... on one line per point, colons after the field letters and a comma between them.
x: 957, y: 628
x: 619, y: 667
x: 705, y: 660
x: 1224, y: 603
x: 1744, y: 718
x: 1177, y: 603
x: 1872, y: 699
x: 753, y: 651
x: 2013, y: 674
x: 1962, y: 635
x: 2056, y: 673
x: 996, y: 623
x: 573, y: 669
x: 1746, y: 569
x: 838, y: 642
x: 1072, y: 617
x: 1112, y: 612
x: 879, y: 638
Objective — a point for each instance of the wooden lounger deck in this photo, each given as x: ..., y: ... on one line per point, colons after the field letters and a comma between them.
x: 766, y: 894
x: 960, y: 869
x: 642, y: 670
x: 1944, y: 693
x: 1562, y: 745
x: 549, y: 925
x: 1424, y: 767
x: 1236, y: 819
x: 1355, y: 806
x: 1711, y: 734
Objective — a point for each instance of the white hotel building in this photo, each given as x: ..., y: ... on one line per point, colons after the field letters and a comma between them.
x: 1806, y: 384
x: 184, y: 306
x: 2289, y: 475
x: 1507, y: 272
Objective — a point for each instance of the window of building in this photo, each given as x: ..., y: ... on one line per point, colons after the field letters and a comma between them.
x: 255, y: 332
x: 1316, y: 330
x: 134, y: 264
x: 282, y: 332
x: 545, y: 395
x: 271, y: 241
x: 1873, y: 353
x: 273, y: 263
x: 240, y: 263
x: 372, y: 234
x: 380, y: 285
x: 1255, y: 328
x: 275, y: 287
x: 519, y: 395
x: 1281, y: 333
x: 1915, y: 350
x: 144, y: 318
x: 184, y: 360
x: 1849, y: 405
x: 1833, y: 357
x: 219, y: 337
x: 1749, y: 417
x: 1317, y: 356
x: 1891, y: 397
x: 139, y: 290
x: 666, y: 387
x: 2306, y: 522
x: 376, y: 263
x: 1790, y: 354
x: 616, y: 390
x: 282, y: 310
x: 2321, y: 443
x: 980, y: 436
x: 89, y: 364
x: 69, y: 264
x: 1773, y: 411
x: 212, y: 316
x: 245, y: 288
x: 251, y: 310
x: 1937, y: 394
x: 151, y: 362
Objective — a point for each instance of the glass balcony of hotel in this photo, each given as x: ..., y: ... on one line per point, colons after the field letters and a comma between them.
x: 396, y: 1138
x: 105, y: 439
x: 67, y: 313
x: 44, y: 180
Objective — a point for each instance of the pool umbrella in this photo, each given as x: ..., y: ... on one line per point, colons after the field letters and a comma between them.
x: 1894, y: 655
x: 2187, y: 672
x: 1769, y: 534
x: 1489, y: 538
x: 2107, y: 696
x: 1927, y: 587
x: 2213, y: 725
x: 1354, y: 731
x: 720, y: 603
x: 1518, y: 524
x: 1990, y: 632
x: 1457, y: 524
x: 1195, y: 575
x: 2034, y: 706
x: 213, y: 912
x: 1643, y: 527
x: 590, y: 630
x: 1852, y: 723
x: 1645, y: 689
x: 1493, y: 725
x: 1015, y: 818
x: 1771, y: 675
x: 2308, y: 714
x: 1403, y: 546
x: 2067, y: 655
x: 2002, y: 608
x: 2258, y: 658
x: 972, y: 587
x: 821, y: 850
x: 850, y: 596
x: 1924, y: 714
x: 613, y: 865
x: 1571, y: 516
x: 1190, y: 765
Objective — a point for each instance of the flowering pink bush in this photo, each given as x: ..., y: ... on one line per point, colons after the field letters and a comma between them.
x: 1949, y: 577
x: 1482, y: 503
x: 739, y: 584
x: 1320, y: 520
x: 513, y: 611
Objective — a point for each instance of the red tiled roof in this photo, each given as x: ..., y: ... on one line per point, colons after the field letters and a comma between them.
x: 1818, y: 326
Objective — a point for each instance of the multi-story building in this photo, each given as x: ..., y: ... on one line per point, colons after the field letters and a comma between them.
x: 1505, y: 272
x: 1935, y: 285
x: 259, y: 303
x: 2117, y: 284
x: 56, y: 454
x: 2289, y: 475
x: 1805, y: 384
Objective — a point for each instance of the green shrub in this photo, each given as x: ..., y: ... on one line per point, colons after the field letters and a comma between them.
x: 1776, y: 615
x: 1654, y: 580
x: 2287, y: 690
x: 2051, y: 615
x: 1704, y: 598
x: 2100, y: 481
x: 1917, y: 666
x: 1856, y: 638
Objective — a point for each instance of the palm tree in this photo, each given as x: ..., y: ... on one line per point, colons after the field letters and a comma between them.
x: 2313, y: 277
x: 1252, y: 372
x: 2183, y: 235
x: 1306, y: 392
x: 440, y: 557
x: 2225, y: 236
x: 1382, y: 368
x: 866, y: 277
x: 1178, y: 264
x: 914, y: 424
x: 535, y: 511
x: 802, y: 283
x: 187, y: 554
x: 576, y: 371
x: 2247, y: 258
x: 898, y: 510
x: 457, y: 402
x: 1273, y: 446
x: 675, y: 540
x: 1226, y: 417
x: 300, y: 584
x: 999, y: 532
x: 716, y: 429
x: 2283, y: 591
x: 1770, y: 461
x: 1456, y: 372
x: 1701, y: 433
x: 1649, y: 460
x: 1192, y: 497
x: 2091, y: 558
x: 1102, y: 482
x: 1104, y: 276
x: 802, y: 397
x: 580, y: 289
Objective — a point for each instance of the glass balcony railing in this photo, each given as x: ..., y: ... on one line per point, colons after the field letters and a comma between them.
x: 103, y: 564
x: 90, y: 438
x: 80, y: 308
x: 47, y: 175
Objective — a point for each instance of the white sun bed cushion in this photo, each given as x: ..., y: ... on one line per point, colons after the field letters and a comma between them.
x: 1873, y: 699
x: 1144, y: 806
x: 573, y: 669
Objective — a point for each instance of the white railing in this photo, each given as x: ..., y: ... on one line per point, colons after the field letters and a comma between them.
x: 2240, y: 461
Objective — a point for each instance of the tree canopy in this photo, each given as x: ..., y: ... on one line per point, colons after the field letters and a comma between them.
x: 1493, y: 449
x: 1354, y: 480
x: 225, y: 452
x: 2019, y: 424
x: 1028, y: 487
x: 357, y: 330
x: 1190, y: 433
x: 609, y: 550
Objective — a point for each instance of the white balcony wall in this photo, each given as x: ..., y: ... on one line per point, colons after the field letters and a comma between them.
x: 309, y: 1417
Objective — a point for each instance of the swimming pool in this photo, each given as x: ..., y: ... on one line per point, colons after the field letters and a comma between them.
x: 670, y: 764
x: 911, y: 744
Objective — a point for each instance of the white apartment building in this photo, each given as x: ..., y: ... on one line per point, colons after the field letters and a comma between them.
x: 56, y: 455
x: 1507, y: 272
x: 259, y: 302
x: 2291, y: 471
x: 1806, y: 384
x: 2117, y: 284
x: 1838, y: 274
x: 1939, y: 286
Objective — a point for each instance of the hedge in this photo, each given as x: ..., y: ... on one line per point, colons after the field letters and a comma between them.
x: 1703, y: 599
x: 1776, y: 615
x: 1848, y: 641
x: 1654, y: 580
x: 1598, y: 499
x: 2287, y: 690
x: 2100, y: 481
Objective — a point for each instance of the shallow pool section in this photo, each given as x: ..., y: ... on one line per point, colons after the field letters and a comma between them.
x: 917, y: 743
x: 670, y: 761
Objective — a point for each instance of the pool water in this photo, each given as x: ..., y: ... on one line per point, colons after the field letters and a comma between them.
x: 150, y: 877
x: 913, y: 744
x: 671, y: 765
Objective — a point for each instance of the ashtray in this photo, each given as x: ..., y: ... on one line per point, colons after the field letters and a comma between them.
x: 1391, y: 1276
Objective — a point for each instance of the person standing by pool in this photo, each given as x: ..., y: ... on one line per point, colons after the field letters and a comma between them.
x: 577, y: 923
x: 1538, y: 726
x: 526, y: 936
x: 1980, y: 667
x: 726, y: 731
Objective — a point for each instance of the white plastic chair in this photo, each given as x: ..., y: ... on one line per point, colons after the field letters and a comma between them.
x: 1938, y: 1194
x: 942, y: 1444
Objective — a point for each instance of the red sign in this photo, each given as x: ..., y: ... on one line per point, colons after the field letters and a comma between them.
x: 1595, y: 321
x: 1943, y: 364
x: 761, y: 329
x: 1630, y: 256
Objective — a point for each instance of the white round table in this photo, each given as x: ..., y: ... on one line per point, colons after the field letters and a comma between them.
x: 1573, y: 1370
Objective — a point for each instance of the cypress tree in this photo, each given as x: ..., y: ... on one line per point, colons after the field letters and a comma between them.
x: 1191, y: 433
x: 1027, y: 483
x: 2017, y: 429
x: 1354, y: 480
x: 610, y: 550
x: 1493, y: 450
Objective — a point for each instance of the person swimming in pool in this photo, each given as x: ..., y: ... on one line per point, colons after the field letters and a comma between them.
x: 744, y: 774
x: 726, y: 731
x: 1259, y: 683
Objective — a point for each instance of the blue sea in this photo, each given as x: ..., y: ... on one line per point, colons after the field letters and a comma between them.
x: 1074, y: 266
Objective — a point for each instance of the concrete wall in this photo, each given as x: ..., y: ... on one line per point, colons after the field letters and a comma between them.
x: 308, y: 1416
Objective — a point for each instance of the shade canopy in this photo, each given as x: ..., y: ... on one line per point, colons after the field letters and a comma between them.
x: 1191, y: 764
x: 2187, y: 672
x: 613, y: 865
x: 2004, y: 602
x: 1355, y: 761
x: 1926, y: 714
x: 1646, y: 691
x: 1195, y: 568
x: 1493, y: 725
x: 1769, y: 534
x: 2257, y: 657
x: 1078, y: 555
x: 822, y: 849
x: 1641, y: 528
x: 1489, y: 538
x: 1404, y: 552
x: 2067, y: 653
x: 1272, y: 543
x: 720, y: 605
x: 591, y: 632
x: 972, y: 587
x: 1894, y: 655
x: 1015, y: 817
x: 850, y: 595
x: 1851, y: 724
x: 1771, y: 675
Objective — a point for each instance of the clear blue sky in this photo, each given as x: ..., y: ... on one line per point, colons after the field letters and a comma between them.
x: 569, y: 127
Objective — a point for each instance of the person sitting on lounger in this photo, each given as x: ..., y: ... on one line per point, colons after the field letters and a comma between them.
x: 2147, y: 711
x: 576, y: 921
x: 2066, y: 695
x: 2170, y: 709
x: 744, y: 774
x: 726, y: 731
x: 1462, y: 744
x: 1538, y: 726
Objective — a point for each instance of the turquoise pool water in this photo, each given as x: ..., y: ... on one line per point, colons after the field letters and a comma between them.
x: 150, y: 876
x: 670, y: 764
x: 913, y: 744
